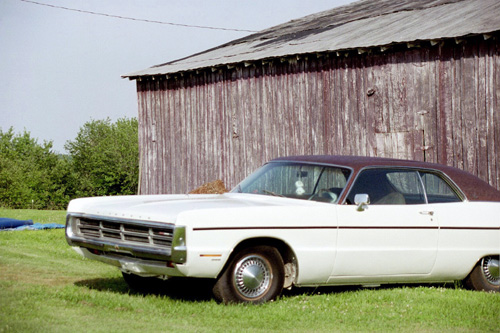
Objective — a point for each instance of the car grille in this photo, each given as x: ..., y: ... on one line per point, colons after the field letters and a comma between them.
x: 122, y: 231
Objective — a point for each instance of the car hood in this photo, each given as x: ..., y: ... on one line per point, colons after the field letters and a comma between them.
x: 166, y: 208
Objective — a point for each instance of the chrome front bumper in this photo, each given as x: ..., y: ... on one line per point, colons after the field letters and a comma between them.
x: 142, y: 267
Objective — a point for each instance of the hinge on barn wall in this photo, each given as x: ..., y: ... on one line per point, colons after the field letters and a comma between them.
x: 425, y: 148
x: 420, y: 121
x: 153, y: 132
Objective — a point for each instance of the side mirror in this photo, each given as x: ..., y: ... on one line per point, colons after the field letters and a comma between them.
x: 362, y: 200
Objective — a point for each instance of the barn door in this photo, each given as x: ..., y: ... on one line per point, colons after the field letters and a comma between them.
x: 402, y: 140
x: 403, y: 102
x: 403, y: 145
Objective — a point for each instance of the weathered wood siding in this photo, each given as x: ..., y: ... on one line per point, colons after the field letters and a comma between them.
x: 437, y: 103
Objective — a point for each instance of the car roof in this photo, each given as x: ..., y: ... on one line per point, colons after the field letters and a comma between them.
x: 473, y: 187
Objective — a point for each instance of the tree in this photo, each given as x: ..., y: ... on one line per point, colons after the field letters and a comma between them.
x: 31, y: 174
x: 105, y: 156
x: 103, y: 160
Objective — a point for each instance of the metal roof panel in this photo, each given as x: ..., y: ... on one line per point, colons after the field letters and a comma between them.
x: 363, y: 24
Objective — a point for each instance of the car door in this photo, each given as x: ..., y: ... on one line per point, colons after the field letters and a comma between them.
x: 395, y: 235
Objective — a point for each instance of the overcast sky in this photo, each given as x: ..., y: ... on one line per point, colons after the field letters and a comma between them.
x: 61, y: 68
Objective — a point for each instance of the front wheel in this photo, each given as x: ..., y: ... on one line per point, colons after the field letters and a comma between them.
x: 485, y: 275
x: 255, y: 275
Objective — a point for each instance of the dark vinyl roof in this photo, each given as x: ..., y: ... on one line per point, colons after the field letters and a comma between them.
x: 362, y: 24
x: 473, y: 187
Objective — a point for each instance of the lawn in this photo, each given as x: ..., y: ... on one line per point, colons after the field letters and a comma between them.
x: 45, y: 286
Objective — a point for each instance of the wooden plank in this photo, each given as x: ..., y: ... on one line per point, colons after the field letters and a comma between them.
x: 494, y: 122
x: 159, y: 141
x: 417, y: 96
x: 442, y: 100
x: 445, y: 115
x: 481, y: 112
x: 400, y: 117
x: 235, y: 152
x: 426, y: 75
x: 359, y: 107
x: 336, y: 108
x: 151, y: 162
x: 345, y: 108
x: 457, y: 112
x: 468, y: 103
x: 376, y: 100
x: 431, y: 57
x: 326, y: 101
x: 371, y: 103
x: 311, y: 108
x: 384, y: 91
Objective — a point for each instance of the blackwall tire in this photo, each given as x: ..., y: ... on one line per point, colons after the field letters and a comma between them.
x: 255, y: 275
x: 485, y: 275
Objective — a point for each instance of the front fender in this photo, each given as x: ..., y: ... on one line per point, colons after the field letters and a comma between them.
x: 213, y: 234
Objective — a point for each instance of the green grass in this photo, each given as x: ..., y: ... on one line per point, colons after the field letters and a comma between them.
x: 45, y: 286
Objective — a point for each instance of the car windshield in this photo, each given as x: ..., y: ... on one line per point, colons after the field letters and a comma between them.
x: 297, y: 180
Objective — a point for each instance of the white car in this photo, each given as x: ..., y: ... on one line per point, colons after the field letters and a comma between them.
x: 304, y: 221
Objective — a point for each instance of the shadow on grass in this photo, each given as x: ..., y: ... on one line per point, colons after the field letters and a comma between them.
x: 194, y: 290
x: 342, y: 289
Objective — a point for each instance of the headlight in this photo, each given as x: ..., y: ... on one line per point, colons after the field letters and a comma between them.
x: 71, y: 222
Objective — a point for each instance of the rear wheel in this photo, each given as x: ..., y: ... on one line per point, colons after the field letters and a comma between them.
x: 255, y: 275
x: 485, y: 275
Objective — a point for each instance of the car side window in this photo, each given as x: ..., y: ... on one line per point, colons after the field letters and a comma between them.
x: 437, y: 189
x: 389, y: 187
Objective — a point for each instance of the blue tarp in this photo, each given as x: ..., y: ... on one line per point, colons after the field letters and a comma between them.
x: 40, y: 226
x: 13, y: 224
x: 7, y: 223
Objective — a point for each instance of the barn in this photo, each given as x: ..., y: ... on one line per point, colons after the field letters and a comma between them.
x: 394, y: 78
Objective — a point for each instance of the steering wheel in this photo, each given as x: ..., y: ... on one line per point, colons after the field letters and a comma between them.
x: 325, y: 193
x: 328, y: 193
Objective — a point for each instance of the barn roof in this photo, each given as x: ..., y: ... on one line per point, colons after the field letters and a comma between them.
x: 362, y: 24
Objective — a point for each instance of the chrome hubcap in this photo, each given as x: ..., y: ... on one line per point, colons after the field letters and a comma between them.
x: 491, y: 270
x: 252, y: 276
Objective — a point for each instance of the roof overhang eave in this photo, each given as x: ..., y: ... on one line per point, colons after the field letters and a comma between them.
x: 156, y: 71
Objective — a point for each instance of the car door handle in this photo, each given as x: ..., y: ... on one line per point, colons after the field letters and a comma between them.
x: 427, y: 212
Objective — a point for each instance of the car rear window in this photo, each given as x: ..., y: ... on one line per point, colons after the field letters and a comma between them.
x: 437, y: 189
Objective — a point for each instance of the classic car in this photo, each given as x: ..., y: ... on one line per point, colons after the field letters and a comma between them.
x: 304, y: 221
